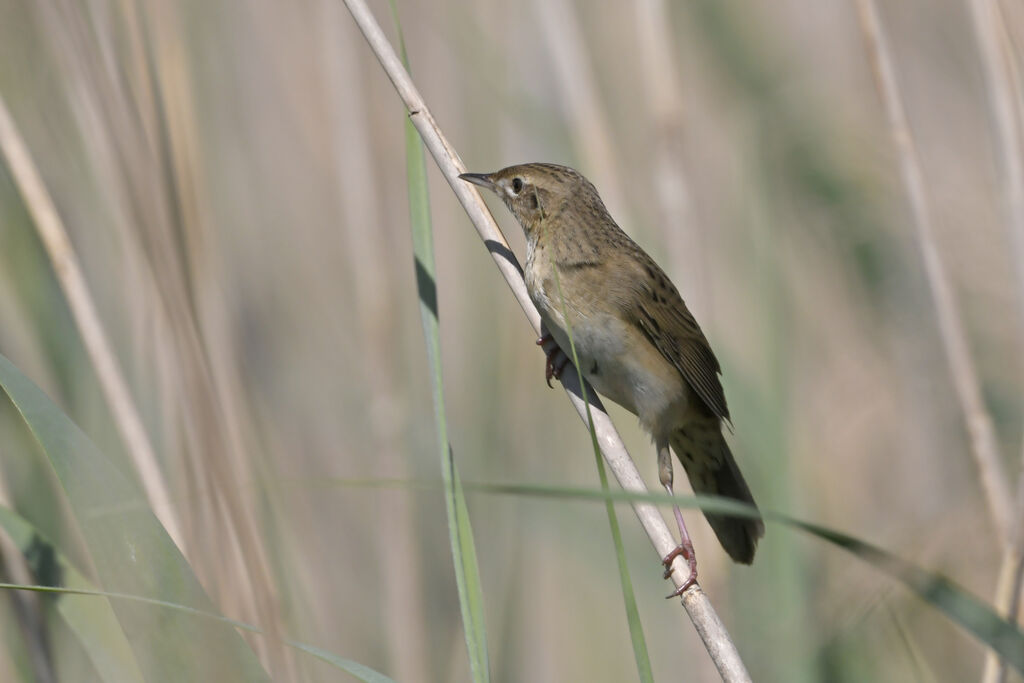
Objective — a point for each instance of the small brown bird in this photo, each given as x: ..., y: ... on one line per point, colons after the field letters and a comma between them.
x: 636, y: 341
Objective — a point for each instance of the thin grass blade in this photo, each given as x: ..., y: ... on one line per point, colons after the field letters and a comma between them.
x: 360, y: 671
x: 968, y: 611
x: 636, y: 629
x: 132, y: 552
x: 467, y: 575
x: 92, y: 621
x: 88, y: 612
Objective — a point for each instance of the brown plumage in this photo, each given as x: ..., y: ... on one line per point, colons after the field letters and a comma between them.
x: 637, y: 342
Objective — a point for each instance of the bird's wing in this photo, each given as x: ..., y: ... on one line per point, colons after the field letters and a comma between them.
x: 660, y: 313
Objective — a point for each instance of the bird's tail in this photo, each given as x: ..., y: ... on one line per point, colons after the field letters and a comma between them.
x: 709, y: 464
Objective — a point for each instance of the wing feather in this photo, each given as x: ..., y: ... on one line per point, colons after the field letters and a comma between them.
x: 664, y: 319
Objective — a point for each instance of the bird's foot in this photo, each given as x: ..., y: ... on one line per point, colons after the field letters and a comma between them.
x: 556, y: 358
x: 684, y: 549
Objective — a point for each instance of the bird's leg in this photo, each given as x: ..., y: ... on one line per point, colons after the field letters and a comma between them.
x: 685, y: 547
x: 557, y: 360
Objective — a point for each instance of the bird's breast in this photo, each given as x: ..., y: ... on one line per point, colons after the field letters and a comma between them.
x: 613, y: 354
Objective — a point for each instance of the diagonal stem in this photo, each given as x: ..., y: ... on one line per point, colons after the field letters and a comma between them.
x: 997, y: 65
x: 954, y: 338
x: 710, y: 628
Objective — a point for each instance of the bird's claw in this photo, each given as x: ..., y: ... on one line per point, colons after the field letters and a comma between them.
x: 684, y: 550
x: 556, y: 358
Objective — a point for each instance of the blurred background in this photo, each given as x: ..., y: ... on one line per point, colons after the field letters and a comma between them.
x: 232, y: 176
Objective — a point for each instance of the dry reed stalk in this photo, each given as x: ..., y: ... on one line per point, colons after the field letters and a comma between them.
x: 710, y: 628
x: 997, y: 64
x: 560, y: 28
x: 667, y: 173
x: 68, y: 272
x: 205, y: 343
x: 144, y: 154
x: 954, y: 339
x: 1006, y: 600
x: 398, y: 557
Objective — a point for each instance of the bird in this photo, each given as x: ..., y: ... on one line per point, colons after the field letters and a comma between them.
x: 635, y: 339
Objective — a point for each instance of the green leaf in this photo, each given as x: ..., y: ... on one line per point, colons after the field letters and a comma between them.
x: 88, y: 612
x: 467, y: 576
x: 132, y: 552
x: 636, y: 629
x: 360, y: 671
x: 960, y: 606
x: 963, y: 608
x: 91, y: 620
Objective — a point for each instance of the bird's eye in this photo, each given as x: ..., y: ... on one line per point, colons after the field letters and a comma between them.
x: 517, y: 185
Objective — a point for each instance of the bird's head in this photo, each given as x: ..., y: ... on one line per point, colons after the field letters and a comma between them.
x: 534, y: 192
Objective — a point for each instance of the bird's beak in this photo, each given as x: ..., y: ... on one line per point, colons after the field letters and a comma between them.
x: 481, y: 179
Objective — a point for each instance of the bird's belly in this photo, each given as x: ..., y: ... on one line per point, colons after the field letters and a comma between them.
x: 624, y: 367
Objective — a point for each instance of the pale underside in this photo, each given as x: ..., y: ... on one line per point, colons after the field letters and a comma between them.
x: 615, y: 357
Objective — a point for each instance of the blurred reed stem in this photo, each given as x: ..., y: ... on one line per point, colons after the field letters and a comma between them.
x: 68, y: 272
x: 677, y: 222
x: 135, y: 116
x: 991, y: 36
x: 577, y: 85
x: 995, y: 482
x: 983, y: 440
x: 399, y: 559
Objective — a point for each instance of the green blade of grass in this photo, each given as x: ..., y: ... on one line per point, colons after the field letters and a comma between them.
x: 960, y: 606
x: 88, y: 613
x: 132, y: 552
x: 92, y: 621
x: 360, y: 671
x: 467, y: 576
x: 636, y: 629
